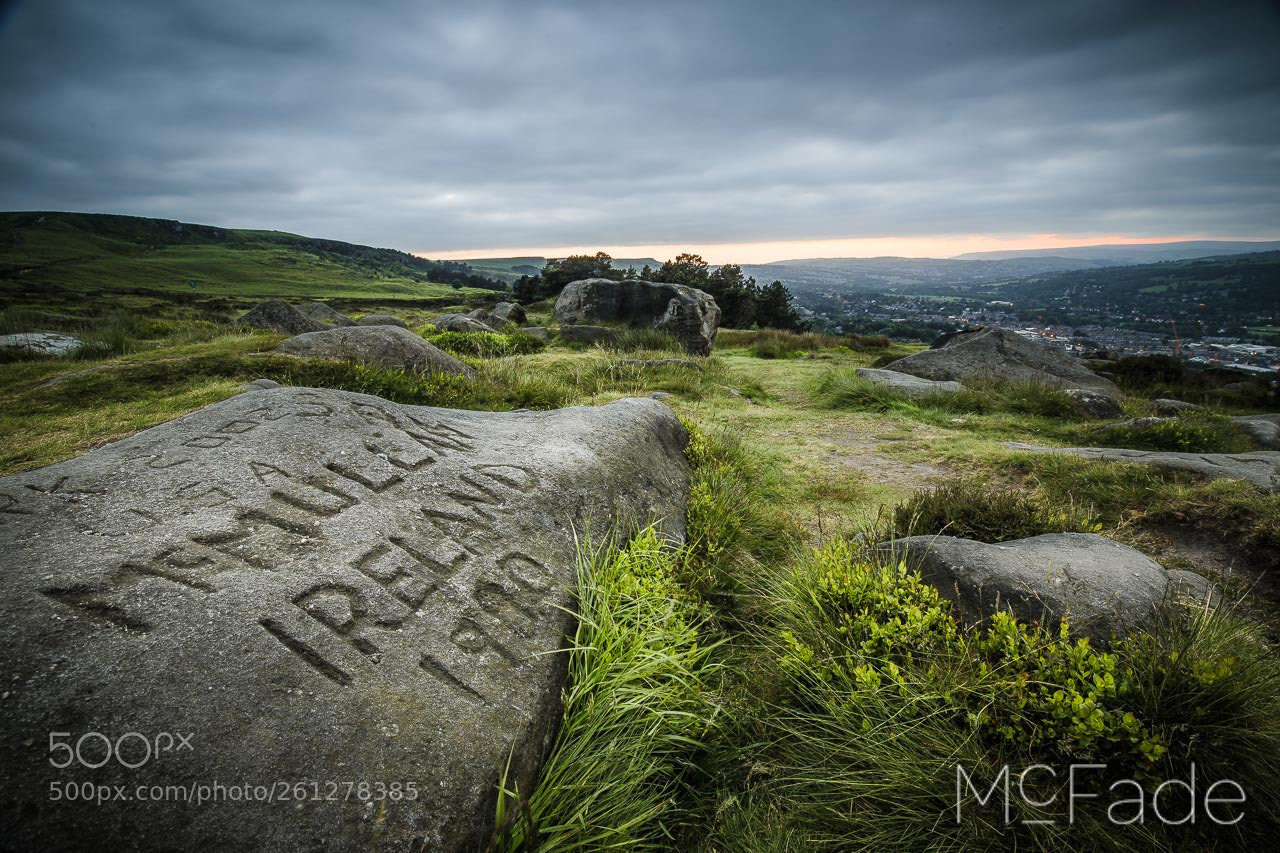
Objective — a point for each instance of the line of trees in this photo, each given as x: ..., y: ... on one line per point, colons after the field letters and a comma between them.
x: 743, y: 303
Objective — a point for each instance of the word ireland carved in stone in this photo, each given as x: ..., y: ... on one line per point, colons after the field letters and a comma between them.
x: 304, y: 619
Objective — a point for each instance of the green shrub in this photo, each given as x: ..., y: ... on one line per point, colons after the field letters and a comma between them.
x: 971, y: 509
x: 485, y: 344
x: 884, y: 694
x: 1194, y: 432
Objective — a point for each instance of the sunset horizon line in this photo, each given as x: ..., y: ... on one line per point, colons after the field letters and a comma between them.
x: 773, y: 251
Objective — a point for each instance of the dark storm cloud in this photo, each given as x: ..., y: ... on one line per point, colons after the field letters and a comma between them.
x: 459, y: 125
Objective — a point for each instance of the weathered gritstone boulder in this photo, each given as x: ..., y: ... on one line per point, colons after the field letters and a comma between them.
x: 45, y: 343
x: 1004, y: 356
x: 279, y: 316
x: 494, y: 322
x: 588, y: 335
x: 539, y: 332
x: 1093, y: 404
x: 1104, y: 587
x: 459, y: 323
x: 1264, y: 429
x: 324, y: 314
x: 512, y: 312
x: 381, y: 320
x: 344, y: 604
x: 387, y: 346
x: 906, y: 384
x: 1261, y: 467
x: 1165, y: 407
x: 691, y: 315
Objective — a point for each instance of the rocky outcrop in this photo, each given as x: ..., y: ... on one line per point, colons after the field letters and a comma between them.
x: 1093, y: 404
x: 1104, y: 587
x: 1261, y: 468
x: 1164, y: 407
x: 43, y: 343
x: 1264, y: 429
x: 279, y: 316
x: 459, y: 323
x: 588, y: 335
x: 906, y: 384
x: 322, y: 313
x: 691, y: 315
x: 381, y: 320
x: 1003, y: 356
x: 385, y: 346
x: 297, y: 590
x: 494, y: 322
x: 512, y: 312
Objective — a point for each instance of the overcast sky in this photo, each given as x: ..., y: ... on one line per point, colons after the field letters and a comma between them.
x: 461, y: 127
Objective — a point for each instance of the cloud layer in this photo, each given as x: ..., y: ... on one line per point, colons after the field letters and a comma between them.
x: 469, y: 125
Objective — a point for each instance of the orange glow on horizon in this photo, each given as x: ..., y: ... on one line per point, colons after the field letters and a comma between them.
x: 941, y: 246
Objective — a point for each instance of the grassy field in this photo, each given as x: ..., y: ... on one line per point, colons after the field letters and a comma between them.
x: 42, y: 255
x: 769, y: 687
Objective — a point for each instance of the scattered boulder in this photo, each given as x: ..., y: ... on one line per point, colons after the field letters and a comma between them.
x: 323, y: 313
x: 459, y: 323
x: 381, y: 320
x: 308, y: 586
x: 44, y: 343
x: 1261, y: 467
x: 1005, y: 356
x: 1093, y: 404
x: 512, y: 312
x: 385, y: 346
x: 261, y: 385
x: 539, y: 332
x: 1104, y: 587
x: 279, y: 316
x: 906, y: 384
x: 496, y: 324
x: 587, y: 335
x: 691, y: 315
x: 1164, y: 407
x: 1264, y: 429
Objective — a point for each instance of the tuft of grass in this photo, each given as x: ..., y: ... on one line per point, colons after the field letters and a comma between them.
x: 973, y: 509
x: 774, y: 343
x: 637, y: 711
x: 637, y: 339
x: 735, y: 533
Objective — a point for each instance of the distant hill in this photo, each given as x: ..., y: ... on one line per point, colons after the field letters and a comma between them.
x: 47, y: 253
x: 818, y: 275
x: 510, y: 269
x: 1124, y: 253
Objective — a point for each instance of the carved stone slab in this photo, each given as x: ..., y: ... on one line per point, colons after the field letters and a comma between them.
x: 318, y: 598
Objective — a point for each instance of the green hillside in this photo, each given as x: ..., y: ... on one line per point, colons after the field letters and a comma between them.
x: 44, y: 254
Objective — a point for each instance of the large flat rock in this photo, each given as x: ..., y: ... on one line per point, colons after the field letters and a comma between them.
x: 906, y: 384
x: 387, y: 346
x: 1004, y: 356
x: 1261, y: 467
x: 1103, y: 586
x: 350, y: 606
